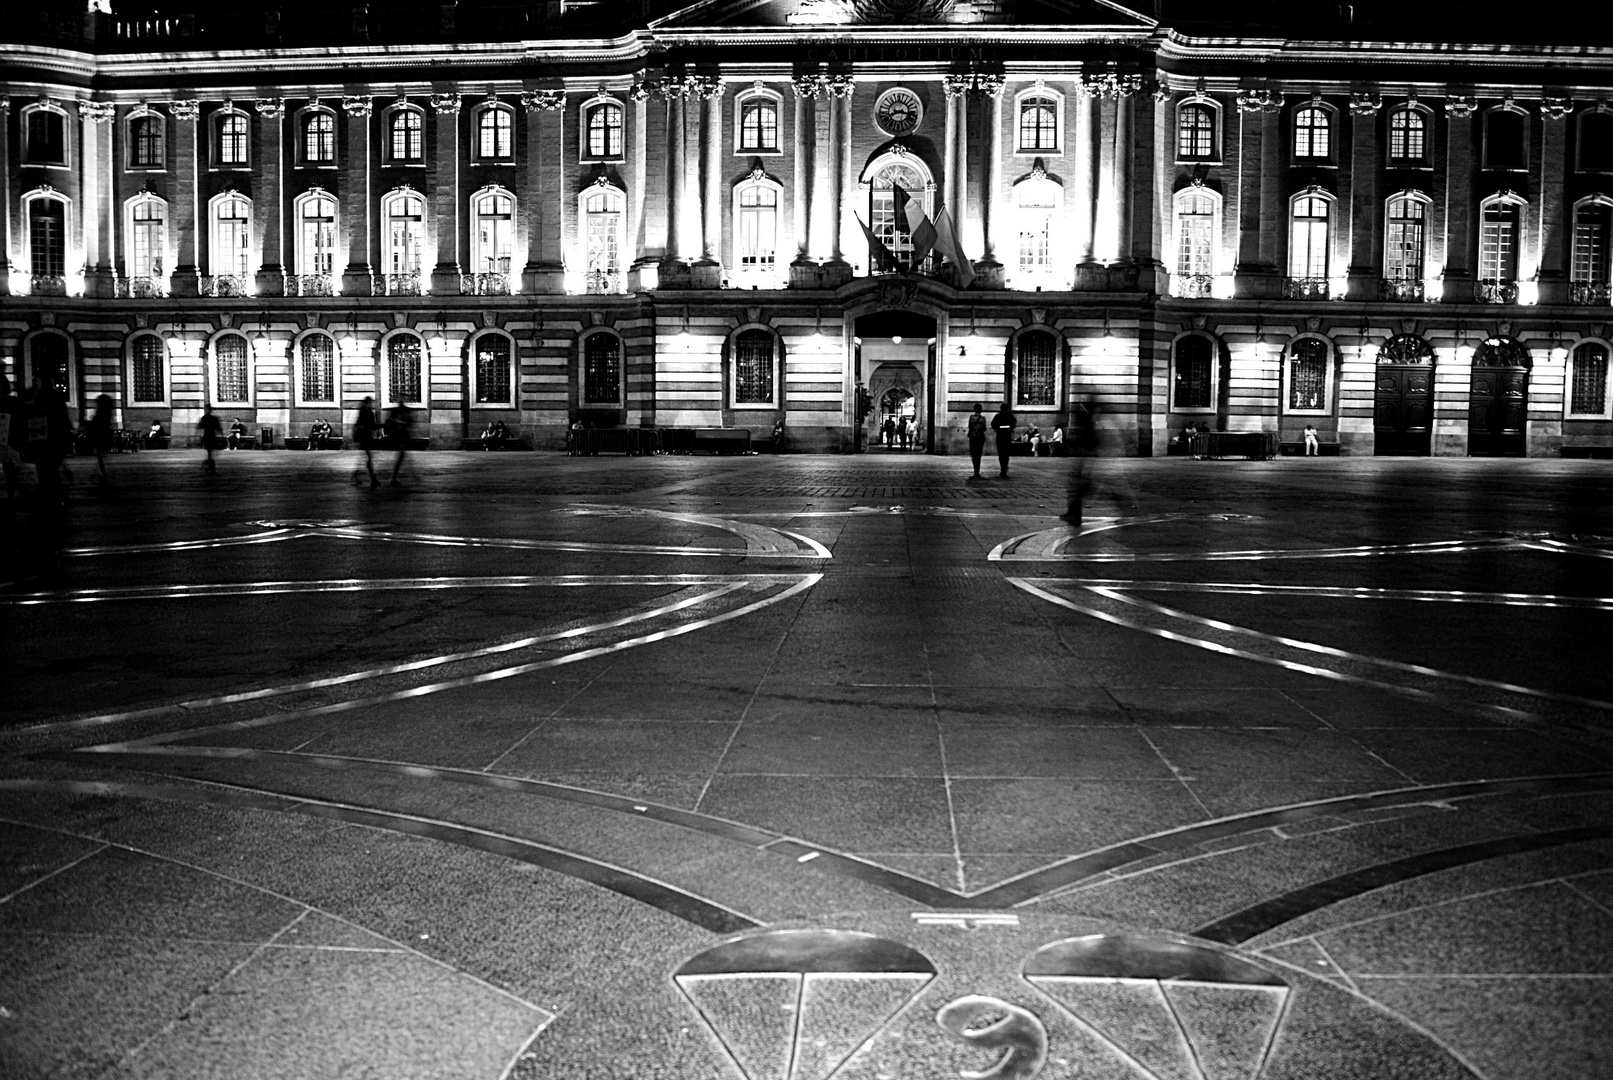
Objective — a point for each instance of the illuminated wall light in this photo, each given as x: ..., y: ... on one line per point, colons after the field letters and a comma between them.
x: 1464, y: 354
x: 1222, y: 287
x: 1337, y: 287
x: 1528, y: 292
x: 1431, y: 288
x: 1559, y: 355
x: 573, y: 283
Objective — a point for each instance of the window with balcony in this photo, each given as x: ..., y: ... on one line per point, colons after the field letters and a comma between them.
x: 494, y: 376
x: 146, y: 141
x: 1405, y: 222
x: 602, y: 369
x: 1506, y: 133
x: 492, y: 231
x: 147, y: 370
x: 1309, y: 234
x: 230, y: 248
x: 44, y: 135
x: 147, y: 240
x: 232, y: 384
x: 1198, y: 214
x: 316, y: 235
x: 603, y: 217
x: 889, y: 226
x: 404, y: 369
x: 758, y: 124
x: 754, y: 378
x: 756, y: 212
x: 1313, y: 134
x: 602, y: 130
x: 1196, y: 124
x: 1500, y: 239
x: 316, y: 370
x: 319, y: 138
x: 1408, y: 137
x: 1038, y: 129
x: 405, y: 216
x: 1038, y: 207
x: 1588, y: 273
x: 407, y: 143
x: 495, y: 133
x: 231, y: 148
x: 1587, y: 381
x: 1036, y: 368
x: 1307, y: 375
x: 1192, y: 371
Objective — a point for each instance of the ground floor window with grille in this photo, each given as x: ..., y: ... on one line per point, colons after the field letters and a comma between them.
x: 230, y: 370
x: 601, y: 370
x: 318, y: 369
x: 493, y: 370
x: 753, y: 368
x: 1190, y: 374
x: 146, y: 382
x: 1307, y: 374
x: 1588, y: 391
x: 1036, y: 369
x: 403, y: 369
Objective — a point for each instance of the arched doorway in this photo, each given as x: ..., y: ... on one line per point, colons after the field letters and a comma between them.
x: 896, y: 358
x: 898, y: 416
x: 1498, y: 403
x: 1403, y: 406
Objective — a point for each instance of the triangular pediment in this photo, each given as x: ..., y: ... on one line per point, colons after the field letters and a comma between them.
x: 716, y: 14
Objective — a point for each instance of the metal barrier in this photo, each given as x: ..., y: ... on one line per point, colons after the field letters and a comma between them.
x: 1255, y: 445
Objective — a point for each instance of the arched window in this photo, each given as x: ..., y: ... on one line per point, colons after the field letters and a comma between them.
x: 147, y: 370
x: 602, y: 129
x: 1593, y: 229
x: 316, y: 371
x: 1313, y: 133
x: 44, y: 135
x: 1406, y: 349
x: 1408, y: 136
x: 1195, y: 131
x: 147, y: 240
x: 492, y: 230
x: 49, y: 361
x: 1506, y: 132
x: 403, y: 369
x: 1404, y: 240
x: 230, y: 252
x: 1308, y: 235
x: 232, y: 384
x: 1500, y: 239
x: 47, y: 236
x: 753, y: 367
x: 1038, y: 207
x: 494, y: 377
x: 145, y: 140
x: 756, y: 207
x: 1587, y: 382
x: 884, y: 221
x: 1036, y: 369
x: 602, y: 369
x: 1594, y: 140
x: 406, y: 126
x: 1502, y: 352
x: 1038, y: 124
x: 495, y: 133
x: 758, y: 124
x: 230, y: 141
x: 319, y: 137
x: 405, y: 214
x: 1307, y: 375
x: 1192, y: 372
x: 603, y: 209
x: 316, y: 234
x: 1198, y: 214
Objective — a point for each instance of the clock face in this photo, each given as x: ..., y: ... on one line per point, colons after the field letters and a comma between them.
x: 897, y: 112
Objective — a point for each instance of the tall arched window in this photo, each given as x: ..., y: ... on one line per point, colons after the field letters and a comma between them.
x: 1593, y: 231
x: 1506, y: 135
x: 316, y: 373
x: 1192, y: 372
x: 756, y: 233
x: 1587, y: 384
x: 1038, y: 124
x: 50, y: 361
x: 758, y: 124
x: 231, y: 371
x: 1594, y: 140
x: 1307, y: 375
x: 602, y: 369
x: 753, y: 368
x: 494, y: 377
x: 405, y: 213
x: 47, y: 237
x: 406, y: 144
x: 602, y: 129
x: 403, y: 369
x: 1500, y: 240
x: 1195, y: 131
x: 1036, y: 369
x: 1313, y: 133
x: 603, y: 209
x: 44, y: 135
x: 889, y: 226
x: 1038, y: 206
x: 145, y: 140
x: 319, y: 138
x: 230, y: 252
x: 148, y: 237
x: 1308, y: 235
x: 147, y: 376
x: 230, y: 130
x: 1198, y: 212
x: 492, y: 231
x: 316, y: 234
x: 495, y: 133
x: 1408, y: 136
x: 1404, y: 240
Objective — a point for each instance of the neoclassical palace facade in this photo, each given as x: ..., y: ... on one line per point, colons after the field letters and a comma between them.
x: 743, y: 210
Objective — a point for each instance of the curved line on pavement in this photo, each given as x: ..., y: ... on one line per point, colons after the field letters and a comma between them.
x: 1444, y: 596
x: 188, y: 545
x: 343, y: 585
x: 1055, y: 542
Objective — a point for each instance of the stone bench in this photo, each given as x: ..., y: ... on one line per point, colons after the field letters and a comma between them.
x: 1324, y: 448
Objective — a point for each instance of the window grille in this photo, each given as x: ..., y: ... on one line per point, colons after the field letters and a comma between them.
x: 319, y: 139
x: 229, y: 369
x: 1312, y: 133
x: 1195, y: 131
x: 1307, y: 374
x: 1403, y: 250
x: 48, y: 354
x: 1407, y: 135
x: 407, y: 138
x: 753, y: 368
x: 403, y: 369
x: 1038, y: 124
x: 605, y: 131
x: 1588, y: 393
x: 492, y: 369
x: 146, y: 142
x: 146, y: 382
x: 1036, y: 369
x: 495, y: 128
x: 1406, y: 349
x: 1191, y: 374
x: 232, y: 137
x: 758, y: 125
x: 602, y: 370
x: 318, y: 368
x: 47, y: 237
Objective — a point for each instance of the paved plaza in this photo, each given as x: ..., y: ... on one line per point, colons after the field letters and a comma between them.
x: 791, y: 768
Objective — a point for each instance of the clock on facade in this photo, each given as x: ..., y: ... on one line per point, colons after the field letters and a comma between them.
x: 898, y: 111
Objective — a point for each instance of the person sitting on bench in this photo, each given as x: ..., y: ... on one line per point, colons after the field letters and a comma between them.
x: 236, y: 431
x: 494, y: 434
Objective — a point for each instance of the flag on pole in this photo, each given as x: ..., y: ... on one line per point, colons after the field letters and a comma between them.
x: 882, y: 257
x: 946, y: 242
x: 918, y: 223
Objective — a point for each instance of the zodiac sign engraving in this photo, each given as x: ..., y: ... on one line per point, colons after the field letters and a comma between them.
x: 1016, y: 1031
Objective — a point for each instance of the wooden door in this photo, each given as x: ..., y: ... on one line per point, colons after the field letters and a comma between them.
x: 1498, y: 407
x: 1403, y: 414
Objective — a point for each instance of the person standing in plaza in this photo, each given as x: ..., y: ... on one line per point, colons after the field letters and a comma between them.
x: 99, y: 429
x: 977, y: 436
x: 211, y: 431
x: 364, y: 435
x: 399, y: 426
x: 1003, y: 424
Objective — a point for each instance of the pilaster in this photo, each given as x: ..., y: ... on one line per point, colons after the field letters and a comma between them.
x: 1365, y: 257
x: 1256, y: 271
x: 648, y: 200
x: 1460, y: 238
x: 802, y: 193
x: 1551, y: 203
x: 183, y: 208
x: 838, y: 89
x: 445, y: 200
x: 100, y: 276
x: 708, y: 270
x: 989, y: 270
x: 545, y: 270
x: 268, y: 210
x: 955, y: 188
x: 6, y: 200
x: 359, y: 206
x: 673, y: 266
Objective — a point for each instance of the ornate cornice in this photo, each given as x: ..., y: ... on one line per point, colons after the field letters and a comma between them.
x: 543, y: 100
x: 1108, y: 84
x: 187, y: 109
x: 445, y: 104
x: 358, y: 106
x: 839, y: 87
x: 807, y: 86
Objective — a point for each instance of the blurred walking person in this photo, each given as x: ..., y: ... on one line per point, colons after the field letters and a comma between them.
x: 399, y: 427
x: 977, y: 436
x: 364, y: 434
x: 212, y: 434
x: 49, y: 437
x: 1083, y: 447
x: 99, y: 429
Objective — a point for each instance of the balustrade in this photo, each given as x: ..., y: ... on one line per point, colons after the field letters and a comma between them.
x: 310, y: 285
x: 1306, y: 288
x: 484, y: 284
x: 401, y: 284
x: 1193, y: 286
x: 603, y: 282
x: 1495, y: 291
x: 222, y: 285
x: 141, y: 288
x: 1590, y: 293
x: 47, y: 285
x: 1406, y: 290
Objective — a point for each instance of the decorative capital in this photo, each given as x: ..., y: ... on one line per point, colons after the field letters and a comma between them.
x: 1365, y: 104
x: 1556, y: 108
x: 5, y: 106
x: 1260, y: 99
x: 1109, y: 84
x: 543, y: 100
x: 638, y: 91
x: 1460, y: 105
x: 271, y: 108
x: 1163, y: 92
x: 445, y: 104
x: 990, y: 85
x: 358, y: 106
x: 188, y: 109
x: 696, y: 86
x: 757, y: 172
x: 807, y: 86
x: 98, y: 112
x: 955, y: 85
x: 839, y: 87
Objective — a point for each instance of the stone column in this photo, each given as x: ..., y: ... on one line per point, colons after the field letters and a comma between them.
x: 708, y: 271
x: 445, y: 200
x: 806, y: 91
x: 647, y: 230
x: 1552, y: 211
x: 100, y: 254
x: 955, y: 184
x: 838, y: 89
x: 1460, y: 239
x: 1365, y: 259
x: 541, y: 207
x: 1125, y: 147
x: 357, y: 198
x: 1084, y: 176
x: 183, y: 209
x: 990, y: 88
x: 677, y: 179
x: 5, y: 198
x: 269, y: 208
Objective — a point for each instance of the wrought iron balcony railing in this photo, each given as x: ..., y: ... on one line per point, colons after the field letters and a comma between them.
x: 1194, y: 286
x: 602, y: 282
x: 1406, y: 290
x: 223, y: 285
x: 485, y: 284
x: 401, y: 284
x: 310, y: 285
x: 47, y: 285
x: 1495, y: 291
x: 1305, y: 288
x: 141, y: 288
x: 1590, y: 293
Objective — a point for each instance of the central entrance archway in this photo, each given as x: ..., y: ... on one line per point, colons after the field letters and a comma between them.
x: 896, y: 359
